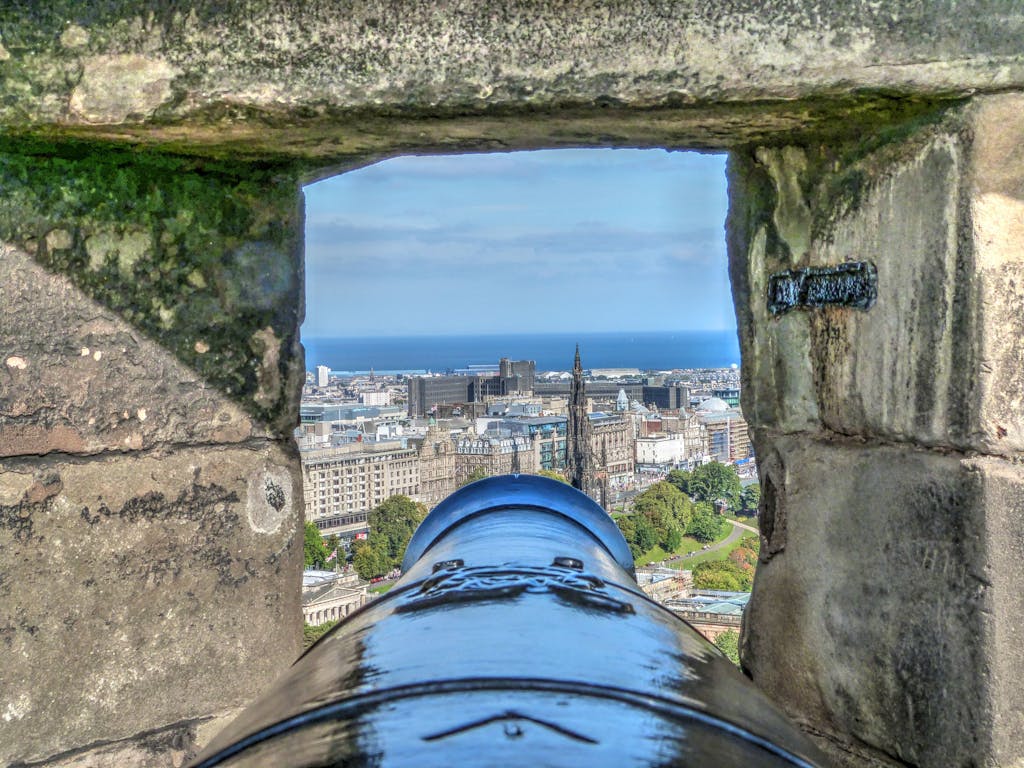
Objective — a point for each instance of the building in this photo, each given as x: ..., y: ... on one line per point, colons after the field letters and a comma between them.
x: 342, y: 484
x: 425, y: 392
x: 598, y: 390
x: 711, y: 612
x: 329, y: 596
x: 611, y: 445
x: 579, y: 458
x: 495, y: 456
x: 375, y: 398
x: 730, y: 395
x: 695, y: 434
x: 323, y: 375
x: 660, y: 450
x: 666, y: 397
x: 517, y: 375
x: 325, y: 425
x: 436, y: 456
x: 665, y: 441
x: 728, y: 438
x: 661, y: 583
x: 548, y: 431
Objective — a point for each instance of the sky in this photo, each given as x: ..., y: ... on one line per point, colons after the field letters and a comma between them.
x: 558, y: 240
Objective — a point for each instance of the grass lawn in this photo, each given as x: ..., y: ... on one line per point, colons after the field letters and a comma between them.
x: 718, y: 554
x: 703, y: 557
x: 689, y: 544
x: 380, y: 589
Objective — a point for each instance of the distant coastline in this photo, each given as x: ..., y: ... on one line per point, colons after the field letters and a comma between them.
x: 646, y: 350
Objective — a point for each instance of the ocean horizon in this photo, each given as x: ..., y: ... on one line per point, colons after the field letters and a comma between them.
x: 646, y: 350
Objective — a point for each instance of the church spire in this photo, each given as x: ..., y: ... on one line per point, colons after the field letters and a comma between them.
x: 579, y: 465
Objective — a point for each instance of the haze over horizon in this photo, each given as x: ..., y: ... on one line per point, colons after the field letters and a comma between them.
x: 495, y: 243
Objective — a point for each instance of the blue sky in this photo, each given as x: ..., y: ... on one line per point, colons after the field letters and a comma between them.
x: 571, y: 240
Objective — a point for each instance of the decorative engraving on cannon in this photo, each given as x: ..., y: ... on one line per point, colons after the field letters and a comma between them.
x: 461, y: 585
x: 513, y: 727
x: 854, y: 284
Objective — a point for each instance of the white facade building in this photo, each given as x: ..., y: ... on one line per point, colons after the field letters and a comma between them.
x: 375, y: 398
x: 661, y: 450
x: 323, y: 375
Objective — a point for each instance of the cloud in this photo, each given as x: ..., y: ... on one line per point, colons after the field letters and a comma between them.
x: 549, y: 237
x: 411, y: 237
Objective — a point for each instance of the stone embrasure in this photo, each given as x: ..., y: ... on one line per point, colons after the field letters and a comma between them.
x: 889, y: 439
x: 204, y: 260
x: 147, y: 531
x: 337, y: 81
x: 926, y: 364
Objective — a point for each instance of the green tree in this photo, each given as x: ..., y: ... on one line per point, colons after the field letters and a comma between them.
x: 645, y: 536
x: 750, y: 497
x: 553, y: 475
x: 744, y: 558
x: 311, y: 634
x: 393, y: 523
x: 627, y: 526
x: 713, y: 481
x: 478, y: 473
x: 705, y: 525
x: 729, y: 644
x: 751, y: 541
x: 371, y: 561
x: 314, y: 550
x: 674, y: 540
x: 663, y: 505
x: 332, y: 542
x: 722, y: 574
x: 680, y: 478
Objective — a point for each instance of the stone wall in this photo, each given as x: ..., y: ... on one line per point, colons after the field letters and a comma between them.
x: 150, y: 250
x: 149, y: 492
x: 341, y: 82
x: 888, y: 438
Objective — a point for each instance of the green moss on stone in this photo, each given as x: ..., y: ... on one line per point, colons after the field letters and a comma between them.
x: 200, y: 257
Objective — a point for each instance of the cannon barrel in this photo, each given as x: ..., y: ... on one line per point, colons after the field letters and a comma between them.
x: 517, y: 636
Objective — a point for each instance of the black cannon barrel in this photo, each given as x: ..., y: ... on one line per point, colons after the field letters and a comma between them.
x: 516, y: 636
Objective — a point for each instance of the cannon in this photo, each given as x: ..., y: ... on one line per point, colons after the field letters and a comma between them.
x: 516, y: 636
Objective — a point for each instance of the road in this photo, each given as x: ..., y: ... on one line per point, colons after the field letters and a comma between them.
x: 744, y: 525
x: 734, y: 535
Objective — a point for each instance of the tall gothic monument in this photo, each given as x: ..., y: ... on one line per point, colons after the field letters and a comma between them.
x: 579, y: 461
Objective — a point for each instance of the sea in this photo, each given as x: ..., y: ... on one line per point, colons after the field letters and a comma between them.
x: 648, y: 350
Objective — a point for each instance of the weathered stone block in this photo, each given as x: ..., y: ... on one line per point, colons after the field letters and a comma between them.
x: 886, y: 609
x: 335, y: 78
x: 143, y: 590
x: 171, y: 746
x: 76, y: 378
x: 937, y: 359
x: 903, y: 368
x: 1004, y: 510
x: 995, y: 186
x: 204, y: 261
x: 778, y: 380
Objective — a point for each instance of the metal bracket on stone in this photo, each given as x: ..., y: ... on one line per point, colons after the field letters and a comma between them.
x: 854, y: 284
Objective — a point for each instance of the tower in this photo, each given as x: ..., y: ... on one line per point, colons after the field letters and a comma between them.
x: 579, y: 462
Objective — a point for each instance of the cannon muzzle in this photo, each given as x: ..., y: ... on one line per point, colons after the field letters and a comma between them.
x: 517, y: 636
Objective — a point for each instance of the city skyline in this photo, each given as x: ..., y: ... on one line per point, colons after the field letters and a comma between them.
x: 494, y: 243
